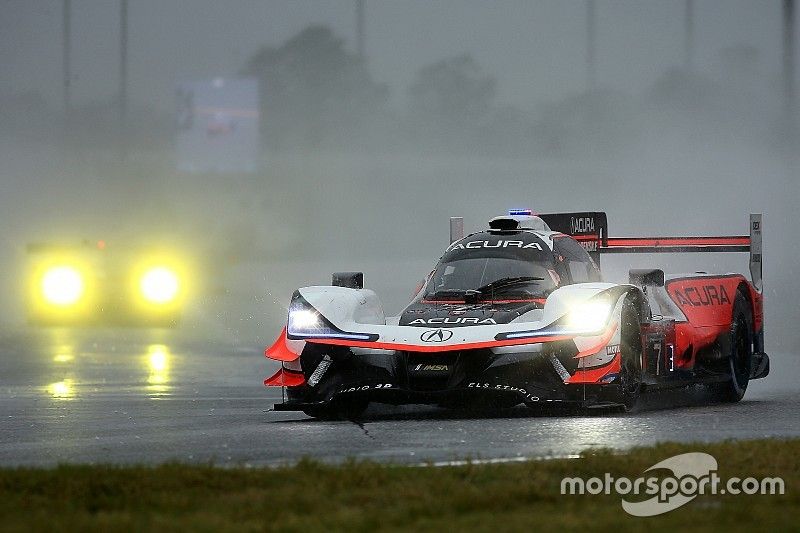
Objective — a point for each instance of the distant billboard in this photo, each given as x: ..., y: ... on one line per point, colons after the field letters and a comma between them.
x: 218, y: 126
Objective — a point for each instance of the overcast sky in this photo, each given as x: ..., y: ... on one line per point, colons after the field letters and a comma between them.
x: 536, y: 49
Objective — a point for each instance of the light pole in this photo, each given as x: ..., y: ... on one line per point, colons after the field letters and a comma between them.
x: 788, y: 65
x: 590, y: 45
x: 123, y: 61
x: 688, y: 44
x: 360, y: 28
x: 66, y: 59
x: 123, y: 79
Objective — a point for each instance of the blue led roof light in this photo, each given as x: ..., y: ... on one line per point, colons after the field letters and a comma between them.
x: 520, y: 212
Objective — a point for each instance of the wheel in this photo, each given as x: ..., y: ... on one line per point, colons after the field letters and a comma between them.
x: 481, y: 403
x: 630, y: 373
x: 740, y: 355
x: 338, y: 410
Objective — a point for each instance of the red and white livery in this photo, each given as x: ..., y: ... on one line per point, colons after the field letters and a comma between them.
x: 518, y: 313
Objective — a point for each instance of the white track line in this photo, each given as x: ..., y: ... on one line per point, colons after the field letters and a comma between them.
x: 496, y: 460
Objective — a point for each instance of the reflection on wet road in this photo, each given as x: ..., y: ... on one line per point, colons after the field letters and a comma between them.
x: 152, y: 396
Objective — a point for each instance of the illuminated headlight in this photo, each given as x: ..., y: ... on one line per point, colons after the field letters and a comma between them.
x: 159, y: 285
x: 589, y: 316
x: 306, y: 322
x: 303, y: 319
x: 62, y: 285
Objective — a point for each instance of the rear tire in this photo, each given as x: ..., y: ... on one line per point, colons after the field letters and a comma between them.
x: 630, y: 373
x: 740, y: 352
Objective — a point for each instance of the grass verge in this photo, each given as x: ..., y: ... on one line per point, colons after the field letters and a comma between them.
x: 362, y: 496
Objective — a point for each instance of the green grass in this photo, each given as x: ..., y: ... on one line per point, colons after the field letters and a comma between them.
x: 362, y: 496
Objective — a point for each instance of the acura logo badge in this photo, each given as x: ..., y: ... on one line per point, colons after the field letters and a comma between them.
x: 436, y: 335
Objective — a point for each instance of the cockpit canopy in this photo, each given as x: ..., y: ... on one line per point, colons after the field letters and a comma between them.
x: 508, y: 265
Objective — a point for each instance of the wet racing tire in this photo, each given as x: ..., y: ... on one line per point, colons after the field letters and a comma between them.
x: 630, y: 373
x: 341, y: 410
x: 740, y: 352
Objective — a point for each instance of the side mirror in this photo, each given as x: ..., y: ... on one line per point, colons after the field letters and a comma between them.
x: 456, y: 229
x: 351, y: 280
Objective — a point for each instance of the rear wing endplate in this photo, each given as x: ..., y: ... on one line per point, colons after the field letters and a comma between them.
x: 591, y: 230
x: 756, y: 251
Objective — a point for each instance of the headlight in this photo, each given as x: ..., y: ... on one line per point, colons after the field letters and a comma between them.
x: 589, y: 316
x: 62, y: 285
x: 159, y: 285
x: 305, y: 321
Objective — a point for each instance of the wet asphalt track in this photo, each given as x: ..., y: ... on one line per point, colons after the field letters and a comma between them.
x: 131, y: 396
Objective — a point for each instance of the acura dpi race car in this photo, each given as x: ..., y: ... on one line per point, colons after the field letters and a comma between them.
x: 518, y: 313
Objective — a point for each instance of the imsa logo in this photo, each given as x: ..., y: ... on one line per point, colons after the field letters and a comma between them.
x: 431, y: 368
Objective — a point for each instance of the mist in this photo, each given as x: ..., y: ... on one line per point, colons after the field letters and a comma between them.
x: 451, y: 109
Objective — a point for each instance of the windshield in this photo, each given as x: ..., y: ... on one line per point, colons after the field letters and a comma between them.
x: 453, y: 278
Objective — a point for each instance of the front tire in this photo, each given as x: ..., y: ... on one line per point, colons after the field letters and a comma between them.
x: 338, y: 410
x: 740, y: 352
x: 630, y: 373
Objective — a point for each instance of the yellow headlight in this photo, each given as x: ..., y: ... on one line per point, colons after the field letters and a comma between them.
x: 62, y: 285
x: 159, y: 285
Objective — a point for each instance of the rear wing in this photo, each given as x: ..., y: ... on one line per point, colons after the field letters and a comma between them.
x: 591, y: 230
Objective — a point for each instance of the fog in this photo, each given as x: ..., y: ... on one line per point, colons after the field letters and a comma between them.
x: 459, y: 108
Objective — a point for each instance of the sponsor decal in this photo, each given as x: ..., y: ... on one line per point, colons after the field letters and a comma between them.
x: 498, y: 244
x: 463, y: 308
x: 683, y: 478
x: 528, y: 396
x: 436, y: 335
x: 431, y: 368
x: 362, y: 388
x: 702, y: 296
x: 581, y: 225
x: 448, y: 320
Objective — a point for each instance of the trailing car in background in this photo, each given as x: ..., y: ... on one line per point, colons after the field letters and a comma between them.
x: 96, y: 283
x: 517, y: 313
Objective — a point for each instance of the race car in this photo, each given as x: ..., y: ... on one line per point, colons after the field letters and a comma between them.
x: 518, y: 314
x: 97, y: 283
